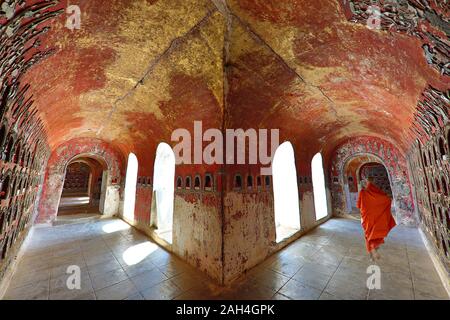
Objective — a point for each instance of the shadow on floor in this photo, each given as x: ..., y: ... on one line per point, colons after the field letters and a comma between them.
x: 118, y: 262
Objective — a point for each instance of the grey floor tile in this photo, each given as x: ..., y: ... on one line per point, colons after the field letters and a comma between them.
x: 297, y: 291
x: 148, y: 279
x: 119, y: 291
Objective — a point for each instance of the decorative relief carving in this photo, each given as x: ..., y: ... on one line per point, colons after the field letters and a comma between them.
x: 23, y: 142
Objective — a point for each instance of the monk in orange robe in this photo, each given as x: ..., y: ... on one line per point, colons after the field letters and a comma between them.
x: 376, y: 217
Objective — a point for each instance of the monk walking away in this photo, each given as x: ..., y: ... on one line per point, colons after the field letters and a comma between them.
x: 376, y: 217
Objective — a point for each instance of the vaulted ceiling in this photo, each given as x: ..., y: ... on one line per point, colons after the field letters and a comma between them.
x: 136, y: 70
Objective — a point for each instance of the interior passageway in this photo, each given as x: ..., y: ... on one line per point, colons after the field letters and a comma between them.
x: 229, y: 132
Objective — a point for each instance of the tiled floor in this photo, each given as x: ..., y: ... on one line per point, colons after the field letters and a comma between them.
x: 117, y: 262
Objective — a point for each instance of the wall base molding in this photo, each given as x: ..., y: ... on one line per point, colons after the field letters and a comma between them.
x: 445, y: 277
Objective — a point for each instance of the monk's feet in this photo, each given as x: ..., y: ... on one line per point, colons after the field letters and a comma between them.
x: 374, y: 255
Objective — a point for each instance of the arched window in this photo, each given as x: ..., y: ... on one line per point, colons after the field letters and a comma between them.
x: 130, y: 187
x: 163, y: 189
x: 285, y: 191
x: 318, y: 180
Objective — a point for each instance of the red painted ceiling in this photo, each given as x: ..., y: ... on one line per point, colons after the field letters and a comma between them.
x: 136, y: 70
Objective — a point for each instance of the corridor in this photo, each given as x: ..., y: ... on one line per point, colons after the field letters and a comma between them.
x: 170, y: 149
x: 118, y: 262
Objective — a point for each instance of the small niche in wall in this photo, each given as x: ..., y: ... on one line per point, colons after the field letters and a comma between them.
x: 208, y: 182
x: 259, y: 182
x: 237, y: 182
x: 187, y: 184
x: 197, y: 183
x: 438, y: 186
x: 424, y: 156
x: 9, y: 149
x: 436, y: 158
x: 448, y: 141
x: 249, y: 183
x: 444, y: 186
x: 2, y: 135
x: 442, y: 147
x: 17, y: 154
x: 4, y: 186
x: 267, y: 182
x: 179, y: 183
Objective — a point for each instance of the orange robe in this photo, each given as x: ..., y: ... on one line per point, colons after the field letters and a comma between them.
x: 377, y: 220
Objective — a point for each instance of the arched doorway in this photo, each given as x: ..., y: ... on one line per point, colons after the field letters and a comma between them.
x: 285, y: 191
x: 357, y: 169
x: 163, y: 191
x: 87, y: 148
x: 320, y: 193
x: 82, y: 189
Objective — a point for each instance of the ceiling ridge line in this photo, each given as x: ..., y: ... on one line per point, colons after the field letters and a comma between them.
x: 262, y: 41
x: 173, y: 45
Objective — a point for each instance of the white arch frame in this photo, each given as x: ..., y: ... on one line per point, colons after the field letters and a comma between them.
x: 319, y: 188
x: 164, y: 190
x: 129, y: 200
